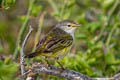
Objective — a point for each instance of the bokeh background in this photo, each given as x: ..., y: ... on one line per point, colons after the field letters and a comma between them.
x: 96, y: 51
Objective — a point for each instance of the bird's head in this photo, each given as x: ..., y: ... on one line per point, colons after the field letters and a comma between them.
x: 68, y: 26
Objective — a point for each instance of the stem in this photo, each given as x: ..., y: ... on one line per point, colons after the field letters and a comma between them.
x: 110, y: 35
x: 109, y: 19
x: 114, y: 27
x: 22, y: 51
x: 62, y: 11
x: 22, y: 30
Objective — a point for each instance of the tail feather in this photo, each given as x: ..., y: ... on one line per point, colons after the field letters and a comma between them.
x: 31, y: 55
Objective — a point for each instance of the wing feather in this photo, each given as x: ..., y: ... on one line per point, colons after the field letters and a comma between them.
x: 54, y: 42
x: 57, y: 45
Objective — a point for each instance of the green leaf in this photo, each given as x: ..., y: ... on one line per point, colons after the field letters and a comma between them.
x: 109, y: 58
x: 7, y: 71
x: 36, y: 9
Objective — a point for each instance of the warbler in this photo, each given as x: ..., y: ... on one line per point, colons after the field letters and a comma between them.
x: 57, y: 43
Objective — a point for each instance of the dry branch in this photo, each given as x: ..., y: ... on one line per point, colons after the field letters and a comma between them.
x: 38, y: 68
x: 22, y: 51
x: 52, y: 70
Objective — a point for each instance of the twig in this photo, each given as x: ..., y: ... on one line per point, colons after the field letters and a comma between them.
x: 110, y: 35
x: 68, y: 74
x: 22, y: 51
x: 22, y: 30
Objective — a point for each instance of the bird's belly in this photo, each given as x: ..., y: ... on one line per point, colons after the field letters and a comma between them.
x: 60, y: 54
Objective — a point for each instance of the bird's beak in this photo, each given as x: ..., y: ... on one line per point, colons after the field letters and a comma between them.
x: 76, y: 25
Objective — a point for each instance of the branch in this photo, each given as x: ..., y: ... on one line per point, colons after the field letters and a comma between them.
x: 52, y: 70
x: 22, y: 51
x: 116, y: 77
x: 68, y: 74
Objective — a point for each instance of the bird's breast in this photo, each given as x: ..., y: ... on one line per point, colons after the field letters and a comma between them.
x: 60, y: 54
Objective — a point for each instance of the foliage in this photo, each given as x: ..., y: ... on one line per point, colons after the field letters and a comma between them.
x: 96, y: 51
x: 8, y: 69
x: 7, y: 3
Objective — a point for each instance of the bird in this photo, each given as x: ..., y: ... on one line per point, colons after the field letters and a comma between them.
x: 57, y: 42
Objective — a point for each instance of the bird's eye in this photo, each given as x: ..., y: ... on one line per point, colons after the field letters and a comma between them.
x: 69, y: 25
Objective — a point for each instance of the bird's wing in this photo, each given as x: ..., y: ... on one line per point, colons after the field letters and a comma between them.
x: 56, y: 44
x: 41, y: 43
x: 54, y: 41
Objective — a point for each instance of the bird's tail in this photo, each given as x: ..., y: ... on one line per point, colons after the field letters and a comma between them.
x: 31, y: 55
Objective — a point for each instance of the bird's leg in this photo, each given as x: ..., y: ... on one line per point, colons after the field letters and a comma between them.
x: 60, y: 65
x: 46, y: 59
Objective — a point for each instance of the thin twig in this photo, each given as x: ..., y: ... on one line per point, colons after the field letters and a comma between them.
x: 22, y: 51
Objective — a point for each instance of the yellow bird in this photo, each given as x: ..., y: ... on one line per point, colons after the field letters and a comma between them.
x: 57, y: 43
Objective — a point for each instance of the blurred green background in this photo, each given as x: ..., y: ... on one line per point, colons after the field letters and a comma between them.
x: 96, y: 51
